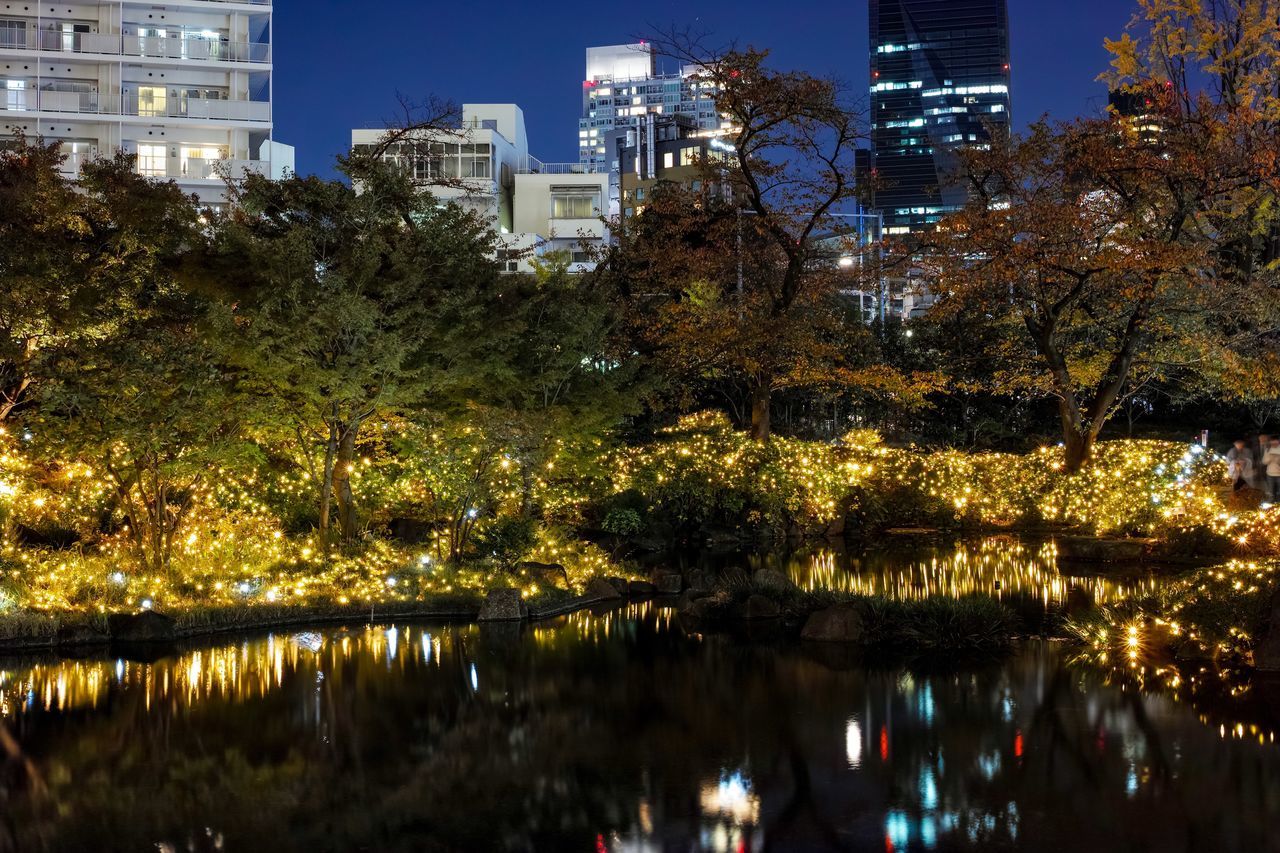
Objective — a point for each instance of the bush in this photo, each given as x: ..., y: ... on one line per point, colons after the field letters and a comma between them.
x: 622, y: 522
x: 507, y: 540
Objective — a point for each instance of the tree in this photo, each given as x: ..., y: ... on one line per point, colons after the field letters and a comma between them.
x: 353, y: 304
x: 47, y: 258
x: 138, y: 393
x: 1094, y: 251
x: 743, y: 270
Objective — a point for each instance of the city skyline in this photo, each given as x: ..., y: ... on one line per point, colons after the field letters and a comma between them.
x: 1056, y: 52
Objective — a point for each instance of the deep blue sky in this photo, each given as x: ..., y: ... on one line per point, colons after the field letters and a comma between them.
x: 339, y: 64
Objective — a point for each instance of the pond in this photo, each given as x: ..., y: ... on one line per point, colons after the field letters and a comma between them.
x: 619, y: 730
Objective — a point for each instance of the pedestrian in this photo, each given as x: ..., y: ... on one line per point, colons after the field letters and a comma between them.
x: 1260, y: 469
x: 1239, y: 465
x: 1272, y: 463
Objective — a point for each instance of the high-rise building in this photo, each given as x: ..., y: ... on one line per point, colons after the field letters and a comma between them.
x: 185, y: 86
x: 622, y: 84
x: 939, y: 82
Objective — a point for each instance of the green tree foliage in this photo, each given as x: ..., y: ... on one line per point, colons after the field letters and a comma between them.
x: 354, y: 303
x: 135, y: 389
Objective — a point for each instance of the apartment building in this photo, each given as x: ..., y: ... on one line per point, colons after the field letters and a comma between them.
x: 184, y: 85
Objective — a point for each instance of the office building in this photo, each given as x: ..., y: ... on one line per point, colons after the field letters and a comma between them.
x: 485, y: 166
x: 184, y: 86
x: 939, y: 82
x: 622, y: 84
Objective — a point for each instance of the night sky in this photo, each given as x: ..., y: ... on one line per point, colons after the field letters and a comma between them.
x: 339, y: 65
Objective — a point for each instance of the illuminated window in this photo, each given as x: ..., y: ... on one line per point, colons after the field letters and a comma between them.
x: 569, y: 202
x: 204, y: 155
x: 151, y: 100
x: 152, y: 160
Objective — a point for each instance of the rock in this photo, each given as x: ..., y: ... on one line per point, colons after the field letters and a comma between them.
x: 546, y: 573
x: 772, y: 579
x: 1266, y: 655
x: 81, y: 634
x: 145, y: 627
x: 599, y: 589
x: 1093, y: 550
x: 839, y: 624
x: 835, y: 530
x: 622, y: 585
x: 503, y: 605
x: 641, y: 589
x: 668, y: 583
x: 701, y: 580
x: 759, y: 607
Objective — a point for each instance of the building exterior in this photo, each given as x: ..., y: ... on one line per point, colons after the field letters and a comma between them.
x: 185, y: 86
x: 659, y: 148
x: 485, y: 166
x: 622, y: 84
x: 939, y: 82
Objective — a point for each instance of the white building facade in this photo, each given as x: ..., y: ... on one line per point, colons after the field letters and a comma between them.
x: 485, y: 166
x: 185, y: 86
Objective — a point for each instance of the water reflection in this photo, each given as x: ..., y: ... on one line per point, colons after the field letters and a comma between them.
x: 611, y: 732
x: 1003, y: 567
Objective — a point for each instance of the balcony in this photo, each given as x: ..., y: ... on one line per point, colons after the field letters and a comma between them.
x: 93, y: 103
x: 534, y: 166
x: 193, y: 169
x: 142, y: 47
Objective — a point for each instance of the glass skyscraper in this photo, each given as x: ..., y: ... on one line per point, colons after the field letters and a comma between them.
x: 939, y: 82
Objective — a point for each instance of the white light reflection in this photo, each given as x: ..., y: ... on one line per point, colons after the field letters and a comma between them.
x: 853, y: 743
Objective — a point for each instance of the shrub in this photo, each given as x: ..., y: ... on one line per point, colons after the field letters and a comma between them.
x: 622, y: 522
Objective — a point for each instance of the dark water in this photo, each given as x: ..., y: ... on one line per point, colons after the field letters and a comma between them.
x: 614, y: 732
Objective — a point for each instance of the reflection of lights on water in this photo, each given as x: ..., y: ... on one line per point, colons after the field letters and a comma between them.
x: 731, y: 797
x: 996, y: 566
x: 928, y: 790
x: 897, y: 830
x: 393, y: 637
x: 426, y: 647
x: 853, y: 743
x: 475, y: 678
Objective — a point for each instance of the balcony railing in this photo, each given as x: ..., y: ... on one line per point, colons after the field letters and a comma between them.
x: 157, y: 47
x: 192, y: 169
x: 533, y: 166
x: 93, y: 103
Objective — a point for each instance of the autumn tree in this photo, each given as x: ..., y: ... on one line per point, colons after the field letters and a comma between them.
x: 1091, y: 247
x: 1209, y: 73
x: 735, y: 284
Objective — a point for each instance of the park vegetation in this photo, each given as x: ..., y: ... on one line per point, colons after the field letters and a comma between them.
x: 327, y: 392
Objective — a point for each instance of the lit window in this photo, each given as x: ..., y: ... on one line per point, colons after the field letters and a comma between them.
x: 152, y: 160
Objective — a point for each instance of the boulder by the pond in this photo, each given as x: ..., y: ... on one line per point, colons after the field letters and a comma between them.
x: 772, y: 579
x: 641, y: 589
x: 839, y: 624
x: 668, y: 583
x: 81, y: 634
x: 758, y: 607
x: 1266, y: 655
x: 503, y: 605
x: 547, y: 573
x: 622, y: 585
x: 1093, y: 550
x: 599, y: 589
x: 145, y: 627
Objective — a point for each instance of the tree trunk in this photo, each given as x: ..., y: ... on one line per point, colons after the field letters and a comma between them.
x: 761, y: 397
x: 326, y: 484
x: 343, y: 468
